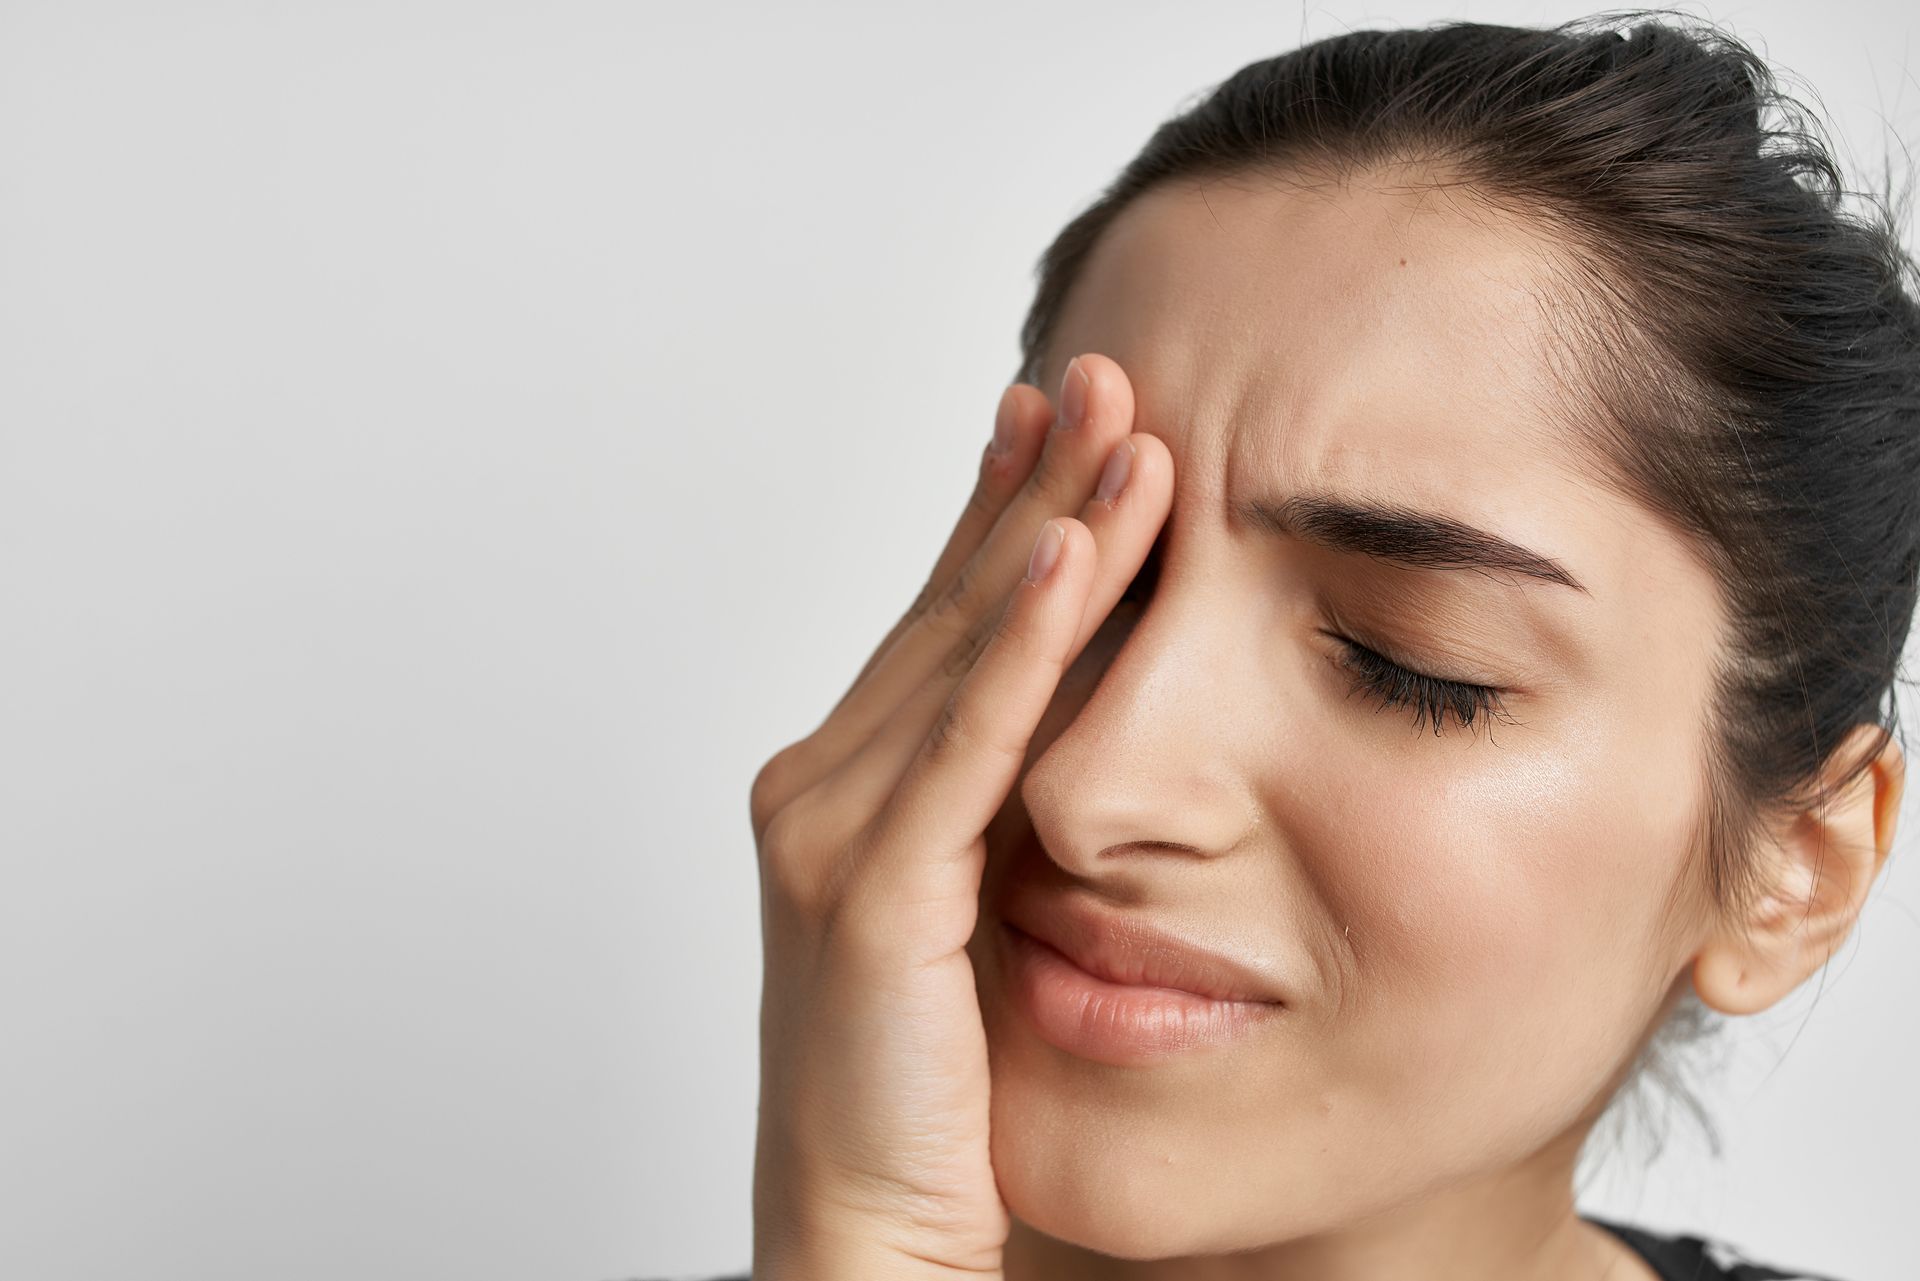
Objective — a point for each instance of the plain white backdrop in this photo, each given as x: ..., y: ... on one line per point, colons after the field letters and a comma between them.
x: 444, y: 451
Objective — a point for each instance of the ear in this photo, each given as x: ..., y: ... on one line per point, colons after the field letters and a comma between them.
x: 1821, y: 863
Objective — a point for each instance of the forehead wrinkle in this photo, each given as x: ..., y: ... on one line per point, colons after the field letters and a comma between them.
x: 1222, y: 362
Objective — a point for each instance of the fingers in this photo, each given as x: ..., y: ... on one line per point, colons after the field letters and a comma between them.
x: 1019, y: 433
x: 949, y: 629
x: 1019, y: 430
x: 924, y: 844
x: 1123, y: 528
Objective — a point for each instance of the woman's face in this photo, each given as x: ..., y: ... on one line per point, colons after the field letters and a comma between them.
x: 1472, y: 927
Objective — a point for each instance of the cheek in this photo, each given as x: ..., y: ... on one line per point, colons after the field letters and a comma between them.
x: 1493, y: 912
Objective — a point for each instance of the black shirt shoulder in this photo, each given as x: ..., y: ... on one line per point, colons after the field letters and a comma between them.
x: 1687, y: 1257
x: 1674, y: 1256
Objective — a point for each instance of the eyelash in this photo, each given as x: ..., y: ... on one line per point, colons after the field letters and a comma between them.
x: 1431, y: 697
x: 1378, y: 676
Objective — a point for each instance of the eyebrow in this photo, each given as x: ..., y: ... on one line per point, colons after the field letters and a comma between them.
x: 1405, y: 535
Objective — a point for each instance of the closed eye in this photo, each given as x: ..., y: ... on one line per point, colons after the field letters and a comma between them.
x: 1431, y: 697
x: 1370, y: 672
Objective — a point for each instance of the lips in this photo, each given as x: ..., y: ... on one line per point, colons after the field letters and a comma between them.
x: 1125, y: 950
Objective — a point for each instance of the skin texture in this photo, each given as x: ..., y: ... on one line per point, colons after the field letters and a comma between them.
x: 1478, y: 929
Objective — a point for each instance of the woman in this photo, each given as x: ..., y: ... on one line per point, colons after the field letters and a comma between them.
x: 1440, y: 631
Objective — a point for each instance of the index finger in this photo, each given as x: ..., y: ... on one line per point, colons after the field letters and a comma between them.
x: 925, y: 842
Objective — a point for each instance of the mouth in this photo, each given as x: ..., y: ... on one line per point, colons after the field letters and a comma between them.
x: 1128, y: 950
x: 1123, y: 1023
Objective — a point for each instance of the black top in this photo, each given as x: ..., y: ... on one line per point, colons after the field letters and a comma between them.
x: 1696, y: 1258
x: 1674, y: 1257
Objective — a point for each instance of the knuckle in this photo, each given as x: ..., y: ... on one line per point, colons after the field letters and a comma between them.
x: 781, y: 836
x: 923, y: 602
x: 956, y: 662
x: 811, y: 855
x: 772, y: 786
x: 950, y: 615
x: 954, y: 733
x: 966, y: 651
x: 788, y: 870
x: 1002, y: 631
x: 951, y: 731
x: 965, y: 586
x: 982, y: 503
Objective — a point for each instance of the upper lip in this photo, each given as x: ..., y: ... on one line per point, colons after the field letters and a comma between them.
x: 1122, y: 949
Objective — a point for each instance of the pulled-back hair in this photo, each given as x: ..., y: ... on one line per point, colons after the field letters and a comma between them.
x: 1739, y: 354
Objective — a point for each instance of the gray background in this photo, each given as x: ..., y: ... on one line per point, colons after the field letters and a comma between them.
x: 444, y: 450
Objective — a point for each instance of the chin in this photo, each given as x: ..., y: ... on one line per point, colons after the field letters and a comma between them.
x: 1100, y: 1206
x: 1119, y: 1178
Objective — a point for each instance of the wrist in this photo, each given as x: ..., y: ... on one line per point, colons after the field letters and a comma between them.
x: 857, y: 1252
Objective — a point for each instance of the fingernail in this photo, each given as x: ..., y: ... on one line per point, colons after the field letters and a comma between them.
x: 1113, y: 477
x: 1003, y: 424
x: 1073, y: 394
x: 1046, y: 550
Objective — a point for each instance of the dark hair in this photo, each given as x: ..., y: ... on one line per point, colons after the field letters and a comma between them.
x: 1746, y: 350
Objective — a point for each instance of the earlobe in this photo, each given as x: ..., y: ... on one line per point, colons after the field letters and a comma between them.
x: 1820, y: 865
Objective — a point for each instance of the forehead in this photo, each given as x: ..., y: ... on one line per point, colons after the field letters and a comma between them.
x: 1384, y: 336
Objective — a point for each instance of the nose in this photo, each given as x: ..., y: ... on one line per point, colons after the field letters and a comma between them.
x: 1157, y: 760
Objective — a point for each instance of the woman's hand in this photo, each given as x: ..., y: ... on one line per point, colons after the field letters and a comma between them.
x: 872, y: 1150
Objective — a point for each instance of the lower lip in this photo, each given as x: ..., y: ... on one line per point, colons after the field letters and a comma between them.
x: 1122, y: 1024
